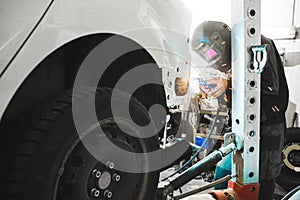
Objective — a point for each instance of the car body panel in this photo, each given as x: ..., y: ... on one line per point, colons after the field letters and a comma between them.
x: 160, y: 26
x: 17, y: 20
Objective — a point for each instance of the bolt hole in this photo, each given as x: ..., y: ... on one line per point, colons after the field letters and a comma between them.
x: 251, y: 67
x: 168, y: 74
x: 251, y: 174
x: 252, y: 117
x: 251, y: 149
x: 252, y: 100
x: 251, y: 133
x: 168, y: 97
x: 252, y: 83
x: 226, y: 193
x: 252, y: 31
x: 252, y: 12
x: 177, y: 69
x: 237, y: 121
x: 252, y: 189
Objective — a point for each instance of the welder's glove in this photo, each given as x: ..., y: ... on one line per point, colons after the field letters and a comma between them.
x: 220, y: 86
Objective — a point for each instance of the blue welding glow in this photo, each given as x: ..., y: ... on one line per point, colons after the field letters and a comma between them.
x: 203, y: 39
x: 204, y: 83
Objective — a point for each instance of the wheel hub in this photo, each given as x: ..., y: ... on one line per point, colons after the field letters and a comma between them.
x: 292, y: 157
x: 104, y: 180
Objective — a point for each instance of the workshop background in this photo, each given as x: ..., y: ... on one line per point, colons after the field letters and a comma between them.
x: 280, y: 21
x: 52, y: 144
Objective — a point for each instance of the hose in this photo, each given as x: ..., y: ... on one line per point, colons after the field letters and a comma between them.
x: 201, y: 166
x: 198, y: 151
x: 210, y: 185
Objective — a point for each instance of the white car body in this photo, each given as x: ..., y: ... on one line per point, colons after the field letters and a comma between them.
x: 32, y: 30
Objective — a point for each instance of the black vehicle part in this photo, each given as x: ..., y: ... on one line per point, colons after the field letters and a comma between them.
x: 205, y: 187
x: 184, y: 157
x: 187, y: 163
x: 190, y: 173
x: 53, y: 163
x: 289, y: 177
x: 201, y: 166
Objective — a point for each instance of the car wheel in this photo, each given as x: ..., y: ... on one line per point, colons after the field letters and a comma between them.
x: 290, y: 173
x: 54, y: 164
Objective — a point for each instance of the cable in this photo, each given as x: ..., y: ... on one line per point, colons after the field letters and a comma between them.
x: 210, y: 185
x: 201, y: 166
x: 198, y: 151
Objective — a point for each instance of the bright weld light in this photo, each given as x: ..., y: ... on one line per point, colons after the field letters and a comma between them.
x: 181, y: 86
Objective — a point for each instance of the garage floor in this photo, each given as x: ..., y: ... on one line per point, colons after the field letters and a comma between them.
x: 197, y: 183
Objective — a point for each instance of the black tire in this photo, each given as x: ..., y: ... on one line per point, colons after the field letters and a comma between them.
x: 53, y: 163
x: 288, y: 177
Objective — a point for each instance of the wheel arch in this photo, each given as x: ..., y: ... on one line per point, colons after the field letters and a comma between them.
x: 58, y: 70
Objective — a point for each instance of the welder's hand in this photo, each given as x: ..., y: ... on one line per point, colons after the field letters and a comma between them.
x: 221, y: 85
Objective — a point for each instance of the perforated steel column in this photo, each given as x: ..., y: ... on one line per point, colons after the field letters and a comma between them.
x: 246, y: 89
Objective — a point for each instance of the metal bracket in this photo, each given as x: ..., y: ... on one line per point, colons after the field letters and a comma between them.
x: 259, y: 58
x: 229, y: 138
x: 234, y: 138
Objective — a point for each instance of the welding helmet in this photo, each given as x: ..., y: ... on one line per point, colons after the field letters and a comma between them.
x: 212, y: 41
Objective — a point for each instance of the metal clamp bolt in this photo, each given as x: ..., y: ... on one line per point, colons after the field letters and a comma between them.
x: 96, y: 173
x: 95, y: 192
x: 110, y: 164
x: 116, y: 177
x: 108, y: 194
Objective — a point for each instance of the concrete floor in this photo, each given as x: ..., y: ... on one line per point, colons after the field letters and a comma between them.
x: 197, y: 183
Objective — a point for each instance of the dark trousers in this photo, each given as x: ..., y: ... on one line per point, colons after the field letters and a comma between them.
x: 271, y: 146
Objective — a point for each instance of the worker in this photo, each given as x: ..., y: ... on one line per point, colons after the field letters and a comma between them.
x: 212, y: 41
